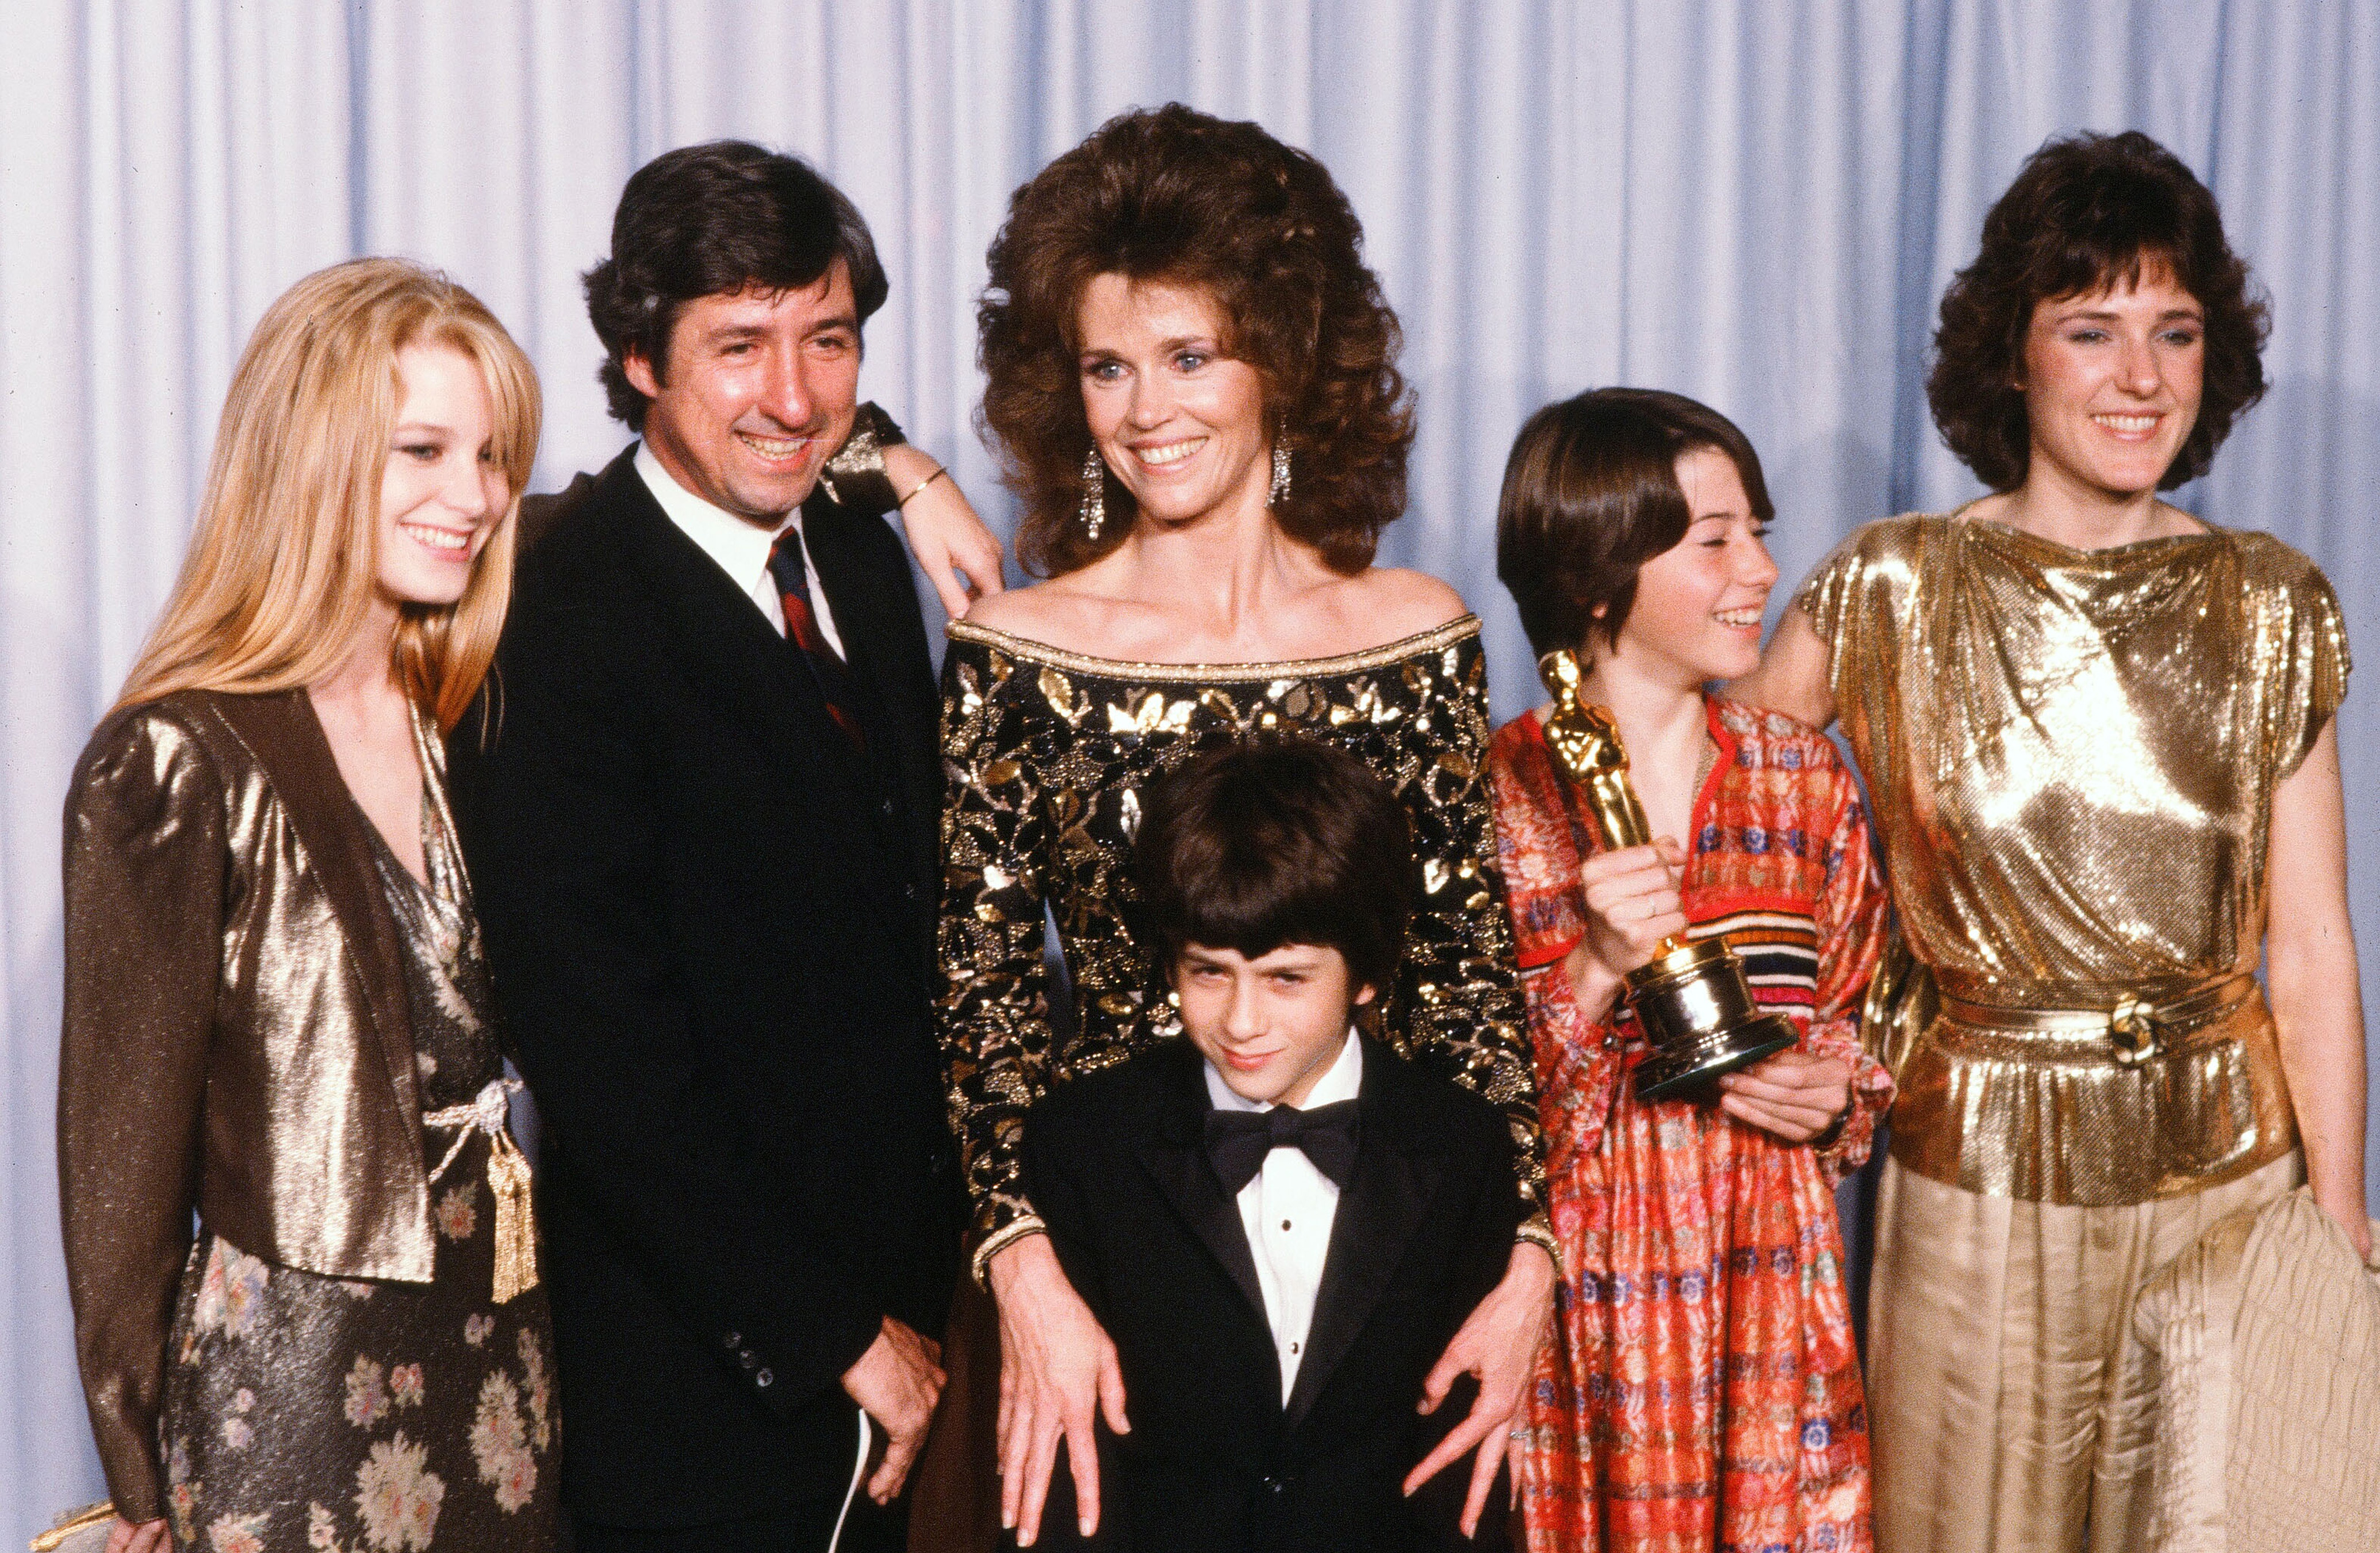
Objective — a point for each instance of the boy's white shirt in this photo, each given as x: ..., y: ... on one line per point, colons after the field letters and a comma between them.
x: 1287, y: 1211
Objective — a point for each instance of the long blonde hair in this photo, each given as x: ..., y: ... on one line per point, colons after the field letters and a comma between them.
x: 282, y: 563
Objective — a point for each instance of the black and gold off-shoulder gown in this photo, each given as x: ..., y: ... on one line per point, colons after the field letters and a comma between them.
x: 1045, y: 753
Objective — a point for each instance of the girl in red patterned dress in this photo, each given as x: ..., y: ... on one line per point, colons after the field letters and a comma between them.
x: 1702, y: 1390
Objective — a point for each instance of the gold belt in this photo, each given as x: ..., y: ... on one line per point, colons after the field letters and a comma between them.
x: 2137, y: 1027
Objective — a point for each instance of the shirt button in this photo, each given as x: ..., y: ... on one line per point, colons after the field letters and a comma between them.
x: 734, y: 1339
x: 763, y: 1378
x: 886, y: 809
x: 1292, y: 1348
x: 1284, y: 1224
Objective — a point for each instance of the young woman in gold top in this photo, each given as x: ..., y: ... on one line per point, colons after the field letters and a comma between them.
x: 2097, y: 737
x: 1191, y: 373
x: 276, y: 1014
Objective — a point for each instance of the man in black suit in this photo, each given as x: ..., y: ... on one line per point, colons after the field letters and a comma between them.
x: 700, y: 815
x: 1281, y: 1224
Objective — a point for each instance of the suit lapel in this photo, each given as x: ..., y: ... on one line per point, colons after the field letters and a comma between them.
x: 735, y: 651
x: 1385, y: 1201
x: 286, y: 736
x: 1175, y: 1154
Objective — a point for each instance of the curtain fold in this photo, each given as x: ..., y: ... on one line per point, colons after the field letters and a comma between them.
x: 1755, y: 201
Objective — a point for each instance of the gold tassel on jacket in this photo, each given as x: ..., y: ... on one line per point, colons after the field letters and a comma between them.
x: 508, y: 1180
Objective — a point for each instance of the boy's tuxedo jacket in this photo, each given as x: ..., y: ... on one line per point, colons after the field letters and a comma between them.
x: 1116, y: 1164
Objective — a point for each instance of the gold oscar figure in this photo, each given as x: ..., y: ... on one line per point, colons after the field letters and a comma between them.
x: 1690, y: 996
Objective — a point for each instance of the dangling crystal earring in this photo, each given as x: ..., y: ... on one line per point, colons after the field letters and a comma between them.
x: 1095, y: 501
x: 1280, y: 492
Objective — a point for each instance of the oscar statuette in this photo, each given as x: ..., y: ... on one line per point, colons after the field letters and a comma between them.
x: 1690, y: 996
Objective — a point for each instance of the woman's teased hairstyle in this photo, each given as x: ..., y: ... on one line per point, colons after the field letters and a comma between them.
x: 1591, y: 493
x: 1276, y: 841
x: 2088, y: 213
x: 1176, y: 196
x: 284, y: 556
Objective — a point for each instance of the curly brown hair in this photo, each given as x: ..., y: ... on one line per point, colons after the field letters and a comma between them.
x: 2088, y: 212
x: 1174, y: 195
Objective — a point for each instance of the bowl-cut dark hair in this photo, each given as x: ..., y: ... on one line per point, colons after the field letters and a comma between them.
x: 1591, y: 493
x: 1274, y: 841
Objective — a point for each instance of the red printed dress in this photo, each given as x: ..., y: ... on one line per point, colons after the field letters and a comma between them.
x: 1702, y: 1390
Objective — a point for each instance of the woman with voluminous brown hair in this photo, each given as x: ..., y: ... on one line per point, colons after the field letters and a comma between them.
x: 1192, y: 375
x: 2097, y: 736
x: 276, y: 1015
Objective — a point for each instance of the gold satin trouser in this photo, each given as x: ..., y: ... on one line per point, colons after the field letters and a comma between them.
x: 1995, y: 1331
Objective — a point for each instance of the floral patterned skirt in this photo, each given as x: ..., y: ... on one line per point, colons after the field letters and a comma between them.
x: 1701, y: 1393
x: 304, y: 1412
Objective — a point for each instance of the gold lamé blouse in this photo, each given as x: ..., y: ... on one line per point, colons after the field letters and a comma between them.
x: 1045, y: 753
x: 237, y: 1034
x: 2072, y: 758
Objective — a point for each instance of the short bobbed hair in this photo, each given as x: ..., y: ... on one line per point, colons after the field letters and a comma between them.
x: 1591, y: 493
x: 1279, y: 840
x: 2088, y: 213
x: 1177, y: 196
x: 284, y: 556
x: 714, y: 220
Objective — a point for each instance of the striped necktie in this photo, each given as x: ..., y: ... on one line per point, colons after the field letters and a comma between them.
x: 801, y: 626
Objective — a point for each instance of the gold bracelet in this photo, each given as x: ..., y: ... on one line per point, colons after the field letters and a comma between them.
x: 921, y: 485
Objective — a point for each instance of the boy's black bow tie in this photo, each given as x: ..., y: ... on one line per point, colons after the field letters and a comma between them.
x: 1238, y: 1141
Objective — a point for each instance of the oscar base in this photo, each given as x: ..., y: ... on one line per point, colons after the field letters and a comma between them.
x: 1687, y: 1070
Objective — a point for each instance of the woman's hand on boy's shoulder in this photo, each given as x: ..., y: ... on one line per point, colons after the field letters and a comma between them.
x: 1498, y: 1343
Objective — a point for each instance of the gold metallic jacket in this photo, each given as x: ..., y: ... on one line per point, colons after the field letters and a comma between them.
x: 237, y: 1036
x: 2071, y: 757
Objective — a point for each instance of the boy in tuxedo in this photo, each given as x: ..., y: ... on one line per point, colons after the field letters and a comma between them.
x: 1279, y: 1221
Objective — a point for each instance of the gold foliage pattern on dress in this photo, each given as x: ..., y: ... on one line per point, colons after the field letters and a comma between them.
x: 1044, y: 754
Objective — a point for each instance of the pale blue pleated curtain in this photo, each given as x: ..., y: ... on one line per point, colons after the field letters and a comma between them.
x: 1755, y: 201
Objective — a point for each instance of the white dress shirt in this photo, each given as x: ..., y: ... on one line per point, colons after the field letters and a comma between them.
x: 1287, y: 1211
x: 739, y: 547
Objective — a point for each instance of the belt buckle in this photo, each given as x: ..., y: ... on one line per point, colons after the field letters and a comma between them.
x: 2132, y: 1030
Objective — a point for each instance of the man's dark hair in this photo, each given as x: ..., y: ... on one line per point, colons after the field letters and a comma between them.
x: 714, y: 219
x: 1277, y: 841
x: 2086, y: 214
x: 1591, y: 493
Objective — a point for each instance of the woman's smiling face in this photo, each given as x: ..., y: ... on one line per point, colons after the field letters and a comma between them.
x: 1179, y: 424
x: 2112, y: 383
x: 442, y: 491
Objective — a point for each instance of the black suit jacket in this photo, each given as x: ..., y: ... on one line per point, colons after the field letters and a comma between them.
x: 1116, y: 1164
x: 708, y: 922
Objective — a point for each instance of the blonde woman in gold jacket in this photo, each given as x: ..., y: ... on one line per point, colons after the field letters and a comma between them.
x: 275, y: 1004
